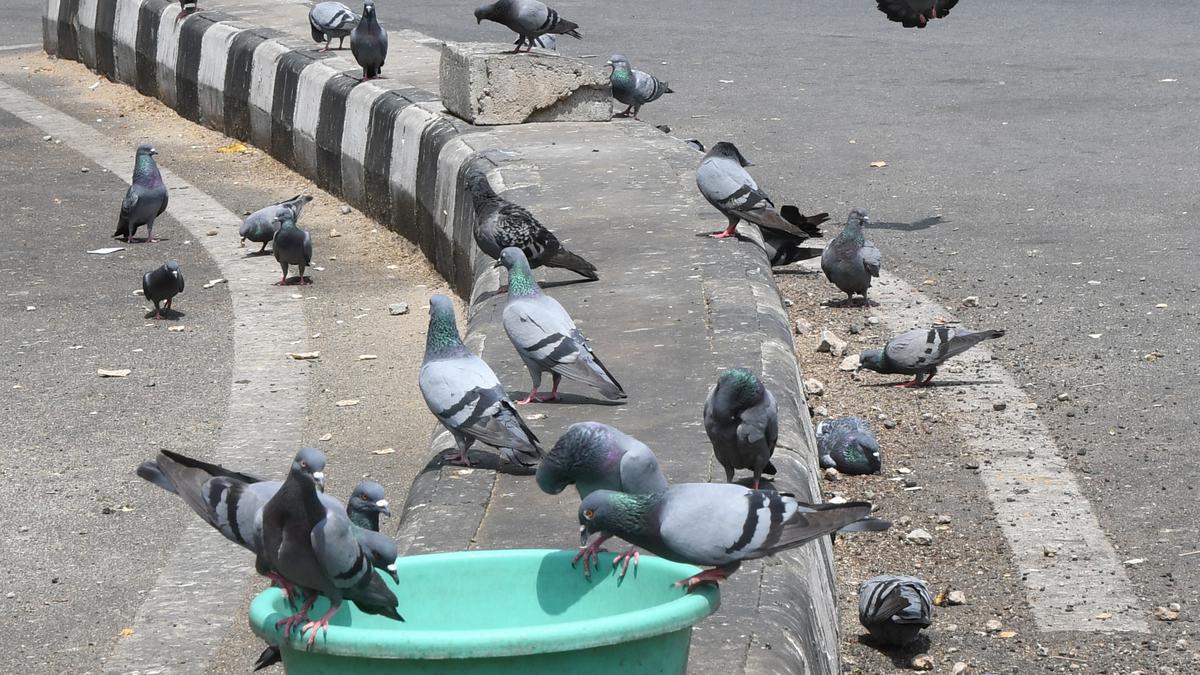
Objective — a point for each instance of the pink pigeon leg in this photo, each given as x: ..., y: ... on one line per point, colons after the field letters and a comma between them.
x: 296, y: 619
x: 321, y: 624
x: 590, y: 555
x: 713, y: 576
x: 726, y: 233
x: 631, y: 555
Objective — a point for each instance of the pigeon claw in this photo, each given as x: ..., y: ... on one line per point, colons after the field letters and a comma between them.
x: 590, y: 555
x: 723, y: 234
x: 709, y: 576
x: 632, y: 555
x: 321, y: 624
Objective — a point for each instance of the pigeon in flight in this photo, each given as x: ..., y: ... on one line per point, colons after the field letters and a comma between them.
x: 848, y: 445
x: 632, y: 87
x: 329, y: 20
x: 369, y: 43
x: 529, y: 19
x: 260, y: 227
x: 915, y: 13
x: 291, y: 245
x: 500, y: 223
x: 546, y: 337
x: 162, y: 284
x: 850, y: 261
x: 742, y: 422
x: 465, y: 395
x: 919, y: 352
x: 146, y: 198
x: 726, y: 185
x: 894, y: 608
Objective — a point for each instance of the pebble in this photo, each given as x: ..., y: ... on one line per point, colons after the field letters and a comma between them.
x: 889, y: 423
x: 345, y: 209
x: 814, y: 387
x: 398, y: 308
x: 1064, y: 397
x: 326, y: 437
x: 910, y: 482
x: 919, y: 537
x: 830, y: 343
x: 84, y: 170
x: 956, y: 598
x: 921, y: 662
x: 820, y: 411
x: 1001, y: 405
x: 334, y: 233
x: 212, y: 233
x: 959, y: 668
x: 831, y: 474
x: 873, y: 320
x: 993, y: 626
x: 971, y: 464
x: 970, y: 301
x: 803, y: 327
x: 849, y: 364
x: 23, y: 528
x: 942, y: 519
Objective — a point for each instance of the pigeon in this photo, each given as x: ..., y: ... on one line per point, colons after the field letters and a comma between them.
x: 161, y: 284
x: 291, y: 245
x: 146, y: 198
x: 596, y: 456
x: 499, y: 224
x: 312, y: 547
x: 915, y: 13
x: 785, y: 249
x: 713, y: 524
x: 467, y: 397
x: 848, y: 445
x: 260, y: 227
x: 919, y: 352
x: 369, y: 43
x: 695, y: 144
x: 742, y: 422
x: 849, y: 261
x: 546, y: 337
x: 529, y: 19
x: 632, y: 87
x: 729, y: 188
x: 894, y: 608
x: 186, y: 7
x: 329, y: 20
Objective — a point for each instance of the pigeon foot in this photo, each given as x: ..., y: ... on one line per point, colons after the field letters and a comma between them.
x: 590, y: 555
x: 321, y: 624
x: 632, y: 555
x: 296, y: 619
x: 710, y: 576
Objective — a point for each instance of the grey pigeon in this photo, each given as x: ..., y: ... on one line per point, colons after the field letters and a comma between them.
x: 595, y: 456
x: 632, y: 87
x: 915, y: 13
x: 260, y: 227
x: 146, y: 198
x: 713, y: 524
x: 369, y: 43
x: 329, y: 20
x: 848, y: 445
x: 291, y: 245
x: 162, y: 284
x: 311, y: 545
x: 726, y: 185
x: 742, y: 422
x: 186, y: 7
x: 849, y: 261
x: 546, y: 337
x: 467, y: 397
x: 529, y: 19
x: 894, y: 608
x: 500, y: 223
x: 919, y: 352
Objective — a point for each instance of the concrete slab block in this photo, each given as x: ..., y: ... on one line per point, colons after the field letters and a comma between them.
x: 484, y: 85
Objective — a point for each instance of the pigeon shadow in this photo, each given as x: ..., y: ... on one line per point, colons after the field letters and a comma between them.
x: 790, y: 269
x: 939, y: 383
x: 851, y: 302
x: 166, y: 314
x: 570, y: 399
x: 564, y: 282
x: 480, y: 459
x: 257, y: 254
x: 922, y: 224
x: 296, y: 281
x: 901, y: 657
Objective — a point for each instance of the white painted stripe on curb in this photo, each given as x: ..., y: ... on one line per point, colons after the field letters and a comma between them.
x: 262, y: 90
x: 357, y: 124
x: 214, y: 54
x: 307, y: 115
x: 125, y: 28
x: 167, y: 53
x: 406, y: 147
x: 1084, y: 577
x: 199, y: 593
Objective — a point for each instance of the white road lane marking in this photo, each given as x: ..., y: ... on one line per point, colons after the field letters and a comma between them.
x: 198, y: 595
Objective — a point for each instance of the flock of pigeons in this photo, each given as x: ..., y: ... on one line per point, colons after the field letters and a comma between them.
x: 311, y: 545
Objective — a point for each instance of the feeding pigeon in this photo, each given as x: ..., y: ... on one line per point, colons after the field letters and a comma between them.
x: 729, y: 188
x: 291, y: 245
x: 632, y: 87
x: 919, y: 352
x: 146, y: 198
x: 467, y: 397
x: 848, y: 445
x: 499, y: 224
x: 742, y: 422
x: 849, y: 261
x: 161, y: 284
x: 894, y: 608
x: 596, y: 456
x: 312, y: 547
x: 529, y: 19
x: 369, y: 43
x: 260, y: 227
x: 546, y: 337
x: 915, y: 13
x: 714, y: 524
x: 328, y: 20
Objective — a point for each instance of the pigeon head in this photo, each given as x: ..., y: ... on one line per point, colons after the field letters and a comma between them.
x: 618, y: 62
x: 520, y: 277
x: 728, y: 150
x: 172, y: 266
x: 872, y: 359
x: 309, y: 464
x: 579, y: 454
x: 737, y: 389
x: 368, y: 9
x: 368, y: 498
x: 284, y: 217
x: 616, y: 513
x: 695, y: 144
x: 858, y: 217
x: 442, y: 337
x: 146, y: 149
x: 485, y: 12
x: 383, y: 553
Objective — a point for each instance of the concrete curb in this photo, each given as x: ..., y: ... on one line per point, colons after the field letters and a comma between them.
x: 390, y: 150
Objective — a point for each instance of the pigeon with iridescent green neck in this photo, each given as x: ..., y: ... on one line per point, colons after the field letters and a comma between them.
x: 291, y: 245
x: 546, y: 337
x: 260, y: 227
x: 146, y: 198
x: 632, y: 87
x: 466, y: 396
x: 850, y: 260
x: 848, y: 445
x: 742, y: 422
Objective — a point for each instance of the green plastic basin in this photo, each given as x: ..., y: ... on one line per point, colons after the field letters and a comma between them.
x: 514, y: 611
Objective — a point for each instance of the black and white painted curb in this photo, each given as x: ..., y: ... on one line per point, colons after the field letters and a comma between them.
x: 390, y: 150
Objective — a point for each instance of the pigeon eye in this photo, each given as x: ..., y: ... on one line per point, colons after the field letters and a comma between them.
x: 303, y: 465
x: 588, y: 514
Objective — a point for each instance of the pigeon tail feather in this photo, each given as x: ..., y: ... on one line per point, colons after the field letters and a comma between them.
x: 807, y: 223
x: 564, y: 259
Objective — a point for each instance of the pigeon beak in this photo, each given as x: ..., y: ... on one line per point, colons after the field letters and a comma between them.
x: 391, y: 570
x: 319, y: 477
x: 153, y: 151
x: 583, y: 535
x: 382, y: 505
x: 497, y: 265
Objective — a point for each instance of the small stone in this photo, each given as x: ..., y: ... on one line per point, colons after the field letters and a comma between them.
x: 831, y: 474
x: 304, y: 356
x: 903, y: 521
x: 956, y: 598
x: 942, y: 519
x: 326, y: 437
x: 993, y: 626
x: 830, y: 343
x: 212, y: 233
x: 999, y: 405
x: 1064, y: 397
x: 346, y: 403
x: 919, y: 537
x: 30, y: 308
x: 334, y: 233
x: 814, y: 387
x: 177, y: 329
x: 787, y: 302
x: 119, y: 372
x: 971, y: 464
x: 345, y: 209
x: 959, y: 668
x: 853, y: 329
x: 820, y: 411
x: 904, y: 471
x: 910, y: 482
x: 873, y: 320
x: 921, y: 662
x: 367, y: 357
x: 803, y: 327
x: 214, y: 282
x: 1175, y: 607
x: 23, y: 528
x: 398, y: 308
x: 889, y: 423
x: 84, y: 170
x: 849, y: 364
x: 970, y: 301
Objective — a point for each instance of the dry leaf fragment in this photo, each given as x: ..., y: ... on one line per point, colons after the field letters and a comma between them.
x: 1103, y: 616
x: 177, y: 329
x: 304, y: 356
x: 1006, y: 634
x: 126, y: 632
x: 232, y: 148
x: 877, y: 164
x: 326, y: 437
x: 120, y: 372
x: 385, y: 451
x: 367, y: 357
x: 346, y: 403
